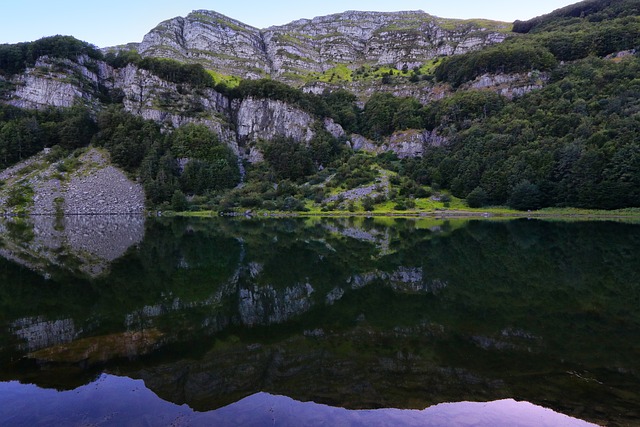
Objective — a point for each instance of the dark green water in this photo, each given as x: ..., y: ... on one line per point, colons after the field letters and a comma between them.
x: 353, y: 313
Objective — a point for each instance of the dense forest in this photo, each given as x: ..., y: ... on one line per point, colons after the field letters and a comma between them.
x: 572, y: 143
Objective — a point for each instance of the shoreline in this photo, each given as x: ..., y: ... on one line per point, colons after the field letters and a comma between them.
x: 440, y: 214
x: 437, y: 214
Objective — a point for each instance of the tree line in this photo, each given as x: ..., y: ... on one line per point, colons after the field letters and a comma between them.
x: 591, y: 28
x: 15, y: 58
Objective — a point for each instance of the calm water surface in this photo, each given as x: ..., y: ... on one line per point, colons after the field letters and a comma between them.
x: 122, y: 321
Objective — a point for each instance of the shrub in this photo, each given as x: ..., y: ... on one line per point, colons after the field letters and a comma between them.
x: 368, y: 203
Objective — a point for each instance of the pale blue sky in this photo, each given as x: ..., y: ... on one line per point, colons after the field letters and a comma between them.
x: 112, y: 22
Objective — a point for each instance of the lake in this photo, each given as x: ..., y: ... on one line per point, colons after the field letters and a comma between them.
x: 318, y: 321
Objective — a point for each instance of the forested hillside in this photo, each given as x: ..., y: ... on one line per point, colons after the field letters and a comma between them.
x: 570, y: 139
x: 574, y: 143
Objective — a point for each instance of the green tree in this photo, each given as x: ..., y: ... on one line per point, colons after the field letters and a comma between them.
x: 179, y: 201
x: 211, y: 165
x: 384, y: 114
x: 525, y: 196
x: 288, y: 159
x: 477, y: 198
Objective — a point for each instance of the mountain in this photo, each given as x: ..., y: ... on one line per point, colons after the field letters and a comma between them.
x: 297, y: 50
x: 353, y: 111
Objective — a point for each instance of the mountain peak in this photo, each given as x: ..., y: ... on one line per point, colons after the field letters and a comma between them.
x: 297, y: 50
x: 211, y: 16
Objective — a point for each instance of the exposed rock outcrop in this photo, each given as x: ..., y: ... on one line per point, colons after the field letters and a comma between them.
x: 510, y: 85
x: 173, y: 105
x: 290, y: 53
x: 265, y: 119
x: 409, y: 143
x: 55, y: 82
x: 210, y: 38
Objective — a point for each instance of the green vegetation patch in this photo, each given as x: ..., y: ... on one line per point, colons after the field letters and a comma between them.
x: 569, y: 144
x: 478, y: 24
x: 20, y: 196
x: 6, y: 88
x: 374, y: 72
x: 338, y: 74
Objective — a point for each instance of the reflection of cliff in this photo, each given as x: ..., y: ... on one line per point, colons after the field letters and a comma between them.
x: 380, y: 237
x: 279, y: 271
x: 247, y: 303
x: 403, y: 279
x: 83, y: 244
x: 332, y: 368
x: 37, y: 333
x: 265, y: 305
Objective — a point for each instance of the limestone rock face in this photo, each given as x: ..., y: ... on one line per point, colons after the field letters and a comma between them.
x: 55, y: 82
x: 314, y: 45
x: 265, y: 119
x: 334, y: 128
x: 510, y: 85
x: 37, y: 92
x: 408, y: 143
x: 210, y: 38
x: 359, y: 142
x: 153, y: 98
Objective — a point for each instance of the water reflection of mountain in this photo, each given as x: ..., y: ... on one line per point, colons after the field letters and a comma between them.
x: 120, y: 401
x: 357, y: 313
x: 85, y: 244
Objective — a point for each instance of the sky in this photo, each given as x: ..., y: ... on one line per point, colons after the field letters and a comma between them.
x: 113, y: 22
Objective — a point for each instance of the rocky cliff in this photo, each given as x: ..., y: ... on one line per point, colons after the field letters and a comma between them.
x: 56, y: 82
x: 239, y: 123
x: 315, y: 45
x: 306, y: 53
